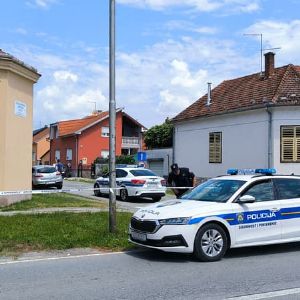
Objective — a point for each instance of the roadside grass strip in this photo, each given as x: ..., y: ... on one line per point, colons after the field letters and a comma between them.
x: 61, y: 231
x: 41, y: 201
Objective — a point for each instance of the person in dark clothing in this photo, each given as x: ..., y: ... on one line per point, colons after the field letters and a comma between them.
x: 180, y: 177
x: 59, y: 166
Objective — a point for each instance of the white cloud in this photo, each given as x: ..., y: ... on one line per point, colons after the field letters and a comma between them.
x: 285, y: 35
x: 200, y: 5
x: 41, y: 3
x: 65, y: 76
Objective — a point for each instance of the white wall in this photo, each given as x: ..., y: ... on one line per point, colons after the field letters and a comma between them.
x: 244, y: 142
x: 284, y: 116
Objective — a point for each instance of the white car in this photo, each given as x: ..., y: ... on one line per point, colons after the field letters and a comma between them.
x: 133, y: 182
x: 225, y: 212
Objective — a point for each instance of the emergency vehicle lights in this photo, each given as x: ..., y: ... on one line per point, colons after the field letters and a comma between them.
x: 251, y: 171
x: 265, y: 171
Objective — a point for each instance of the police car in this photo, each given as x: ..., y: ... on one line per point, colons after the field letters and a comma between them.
x: 133, y: 182
x: 229, y: 211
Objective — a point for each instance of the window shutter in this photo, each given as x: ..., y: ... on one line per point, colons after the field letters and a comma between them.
x: 290, y: 143
x: 215, y: 147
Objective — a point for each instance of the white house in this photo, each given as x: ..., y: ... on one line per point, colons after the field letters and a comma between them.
x: 247, y: 122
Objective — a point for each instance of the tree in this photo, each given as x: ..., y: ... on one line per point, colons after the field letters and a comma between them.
x: 160, y: 136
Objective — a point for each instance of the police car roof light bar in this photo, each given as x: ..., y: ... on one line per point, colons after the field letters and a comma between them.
x: 265, y: 171
x: 232, y: 171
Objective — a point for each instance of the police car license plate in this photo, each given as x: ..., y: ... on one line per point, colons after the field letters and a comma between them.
x: 139, y: 236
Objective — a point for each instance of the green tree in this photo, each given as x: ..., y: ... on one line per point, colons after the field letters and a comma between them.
x: 160, y: 136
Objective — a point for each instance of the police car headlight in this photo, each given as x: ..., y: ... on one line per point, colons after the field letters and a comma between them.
x: 174, y: 221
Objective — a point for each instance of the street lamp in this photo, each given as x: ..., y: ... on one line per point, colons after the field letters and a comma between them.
x: 112, y: 119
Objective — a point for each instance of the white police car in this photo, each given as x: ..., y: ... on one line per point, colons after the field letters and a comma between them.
x: 133, y: 182
x: 225, y: 212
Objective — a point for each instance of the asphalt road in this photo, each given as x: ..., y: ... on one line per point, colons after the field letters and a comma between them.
x: 244, y: 273
x: 132, y: 205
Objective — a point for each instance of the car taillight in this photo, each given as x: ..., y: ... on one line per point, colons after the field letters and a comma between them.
x: 163, y: 182
x: 39, y: 175
x: 138, y: 181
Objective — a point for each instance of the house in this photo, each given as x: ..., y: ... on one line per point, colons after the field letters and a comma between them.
x: 41, y: 146
x: 247, y: 122
x: 83, y: 140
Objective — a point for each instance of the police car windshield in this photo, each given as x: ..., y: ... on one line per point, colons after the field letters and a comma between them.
x: 214, y: 190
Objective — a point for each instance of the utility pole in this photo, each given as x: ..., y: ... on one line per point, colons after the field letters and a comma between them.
x: 112, y: 118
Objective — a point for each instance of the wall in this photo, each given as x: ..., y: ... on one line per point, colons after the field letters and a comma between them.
x: 284, y: 116
x: 244, y: 143
x: 165, y: 154
x: 16, y: 83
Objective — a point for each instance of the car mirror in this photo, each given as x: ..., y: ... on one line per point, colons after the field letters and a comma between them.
x: 246, y: 199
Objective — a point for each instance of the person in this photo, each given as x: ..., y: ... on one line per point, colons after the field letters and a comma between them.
x: 59, y: 166
x: 180, y: 177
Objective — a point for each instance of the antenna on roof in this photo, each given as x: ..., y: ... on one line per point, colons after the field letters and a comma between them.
x: 261, y: 48
x: 95, y: 103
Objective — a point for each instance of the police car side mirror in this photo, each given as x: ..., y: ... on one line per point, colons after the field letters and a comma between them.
x: 246, y: 199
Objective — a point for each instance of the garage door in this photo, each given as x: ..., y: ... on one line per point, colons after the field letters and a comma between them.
x: 157, y: 166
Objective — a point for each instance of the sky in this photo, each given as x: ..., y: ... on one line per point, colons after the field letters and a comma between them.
x: 166, y: 50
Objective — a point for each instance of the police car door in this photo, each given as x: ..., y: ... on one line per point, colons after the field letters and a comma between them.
x: 259, y: 221
x: 289, y: 194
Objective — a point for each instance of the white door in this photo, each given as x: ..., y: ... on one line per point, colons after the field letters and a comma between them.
x: 289, y: 194
x: 259, y: 221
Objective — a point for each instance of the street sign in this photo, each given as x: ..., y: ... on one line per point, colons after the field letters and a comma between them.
x: 141, y: 156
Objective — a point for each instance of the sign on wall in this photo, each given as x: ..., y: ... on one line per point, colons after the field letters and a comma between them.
x: 20, y: 109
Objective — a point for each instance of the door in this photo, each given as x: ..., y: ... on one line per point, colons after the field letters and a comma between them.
x: 289, y: 194
x: 258, y: 222
x: 157, y: 167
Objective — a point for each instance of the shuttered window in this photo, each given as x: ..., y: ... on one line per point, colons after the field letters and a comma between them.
x: 215, y: 147
x: 290, y: 143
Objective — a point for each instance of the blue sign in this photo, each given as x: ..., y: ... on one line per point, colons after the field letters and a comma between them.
x: 141, y: 156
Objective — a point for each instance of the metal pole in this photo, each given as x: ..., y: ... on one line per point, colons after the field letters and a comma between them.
x: 112, y: 119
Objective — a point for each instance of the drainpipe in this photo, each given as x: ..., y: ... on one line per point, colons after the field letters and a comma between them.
x: 76, y: 150
x: 270, y: 122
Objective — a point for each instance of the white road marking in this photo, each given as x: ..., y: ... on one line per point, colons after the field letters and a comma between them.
x: 58, y: 258
x: 267, y: 295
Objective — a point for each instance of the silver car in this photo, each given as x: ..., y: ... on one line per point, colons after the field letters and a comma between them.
x: 133, y: 182
x: 44, y: 176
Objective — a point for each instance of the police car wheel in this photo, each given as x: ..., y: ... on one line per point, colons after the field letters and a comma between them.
x: 97, y: 193
x: 123, y: 195
x: 210, y: 243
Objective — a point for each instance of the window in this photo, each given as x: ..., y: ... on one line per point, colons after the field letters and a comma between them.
x: 215, y: 147
x: 288, y: 188
x: 69, y: 154
x: 290, y: 143
x: 104, y: 153
x: 139, y: 172
x: 262, y: 191
x: 105, y: 131
x: 121, y: 173
x: 57, y: 154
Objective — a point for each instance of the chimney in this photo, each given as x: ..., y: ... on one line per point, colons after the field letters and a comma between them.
x: 269, y: 64
x: 208, y: 103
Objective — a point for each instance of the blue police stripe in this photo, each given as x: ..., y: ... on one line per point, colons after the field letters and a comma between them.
x: 258, y: 216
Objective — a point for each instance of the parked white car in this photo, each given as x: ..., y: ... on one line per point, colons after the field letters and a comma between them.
x: 225, y: 212
x: 133, y: 182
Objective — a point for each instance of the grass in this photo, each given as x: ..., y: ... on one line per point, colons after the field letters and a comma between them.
x: 23, y: 233
x: 54, y: 200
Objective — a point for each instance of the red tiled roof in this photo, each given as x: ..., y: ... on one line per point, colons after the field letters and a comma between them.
x: 71, y: 126
x: 248, y: 92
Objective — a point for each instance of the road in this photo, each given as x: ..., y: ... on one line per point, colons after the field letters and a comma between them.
x: 131, y: 205
x: 148, y: 274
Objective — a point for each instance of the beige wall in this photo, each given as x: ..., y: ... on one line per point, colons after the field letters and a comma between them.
x: 16, y: 84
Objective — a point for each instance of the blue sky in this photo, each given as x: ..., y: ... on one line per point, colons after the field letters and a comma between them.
x: 167, y: 50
